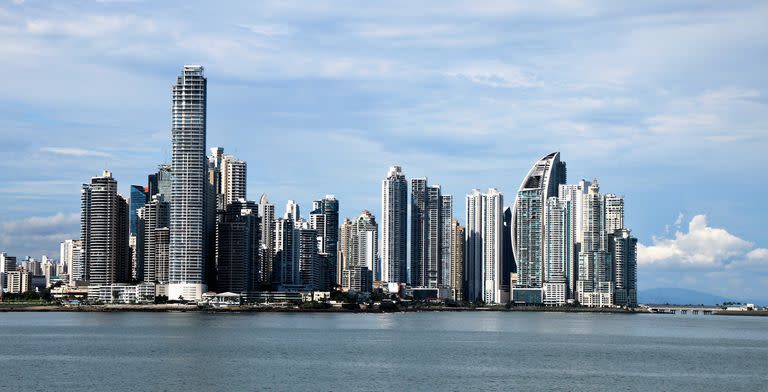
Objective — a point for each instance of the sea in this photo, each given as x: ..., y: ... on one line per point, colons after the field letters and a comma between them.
x: 420, y: 351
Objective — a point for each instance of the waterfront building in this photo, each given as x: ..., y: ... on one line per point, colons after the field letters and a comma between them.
x: 7, y: 263
x: 574, y: 194
x: 286, y: 267
x: 484, y: 257
x: 17, y: 282
x: 267, y: 243
x: 624, y: 248
x: 528, y: 219
x: 307, y: 257
x: 394, y: 231
x: 137, y: 199
x: 325, y: 219
x: 430, y: 234
x: 557, y: 251
x: 104, y: 231
x: 238, y: 247
x: 594, y: 286
x: 156, y: 233
x: 614, y: 213
x: 361, y: 253
x: 458, y: 243
x: 188, y: 253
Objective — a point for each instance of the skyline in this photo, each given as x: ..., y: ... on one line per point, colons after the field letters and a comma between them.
x: 724, y: 242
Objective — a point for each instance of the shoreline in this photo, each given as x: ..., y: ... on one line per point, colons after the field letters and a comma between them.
x: 164, y: 308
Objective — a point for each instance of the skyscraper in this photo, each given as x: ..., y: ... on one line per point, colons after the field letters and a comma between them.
x: 156, y: 218
x: 574, y: 194
x: 160, y: 183
x: 138, y: 197
x: 306, y: 256
x: 594, y: 286
x: 484, y: 250
x: 292, y: 210
x: 237, y: 248
x: 624, y: 248
x: 458, y: 243
x: 558, y: 250
x: 189, y: 166
x: 431, y: 214
x: 286, y: 260
x: 233, y: 178
x: 394, y: 215
x: 361, y: 253
x: 267, y: 229
x: 528, y: 223
x: 325, y: 219
x: 104, y: 231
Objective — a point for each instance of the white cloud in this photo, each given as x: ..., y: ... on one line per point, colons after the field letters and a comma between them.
x: 267, y: 30
x: 38, y: 234
x: 495, y: 75
x: 701, y: 246
x: 759, y: 254
x: 75, y: 151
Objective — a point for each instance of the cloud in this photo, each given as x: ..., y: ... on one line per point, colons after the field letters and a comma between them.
x: 75, y: 151
x: 38, y: 234
x: 759, y: 254
x: 91, y: 26
x: 701, y: 246
x: 267, y: 30
x: 495, y: 75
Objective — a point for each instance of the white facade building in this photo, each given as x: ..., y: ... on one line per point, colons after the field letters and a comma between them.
x: 484, y: 251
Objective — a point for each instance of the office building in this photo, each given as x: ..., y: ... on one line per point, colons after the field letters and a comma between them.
x: 361, y: 253
x: 156, y: 217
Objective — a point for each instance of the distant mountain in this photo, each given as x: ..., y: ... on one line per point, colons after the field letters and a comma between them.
x: 679, y: 297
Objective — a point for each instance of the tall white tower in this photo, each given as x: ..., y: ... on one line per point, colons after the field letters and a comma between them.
x: 189, y: 165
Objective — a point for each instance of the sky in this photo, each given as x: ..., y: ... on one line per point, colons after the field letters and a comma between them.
x: 662, y: 102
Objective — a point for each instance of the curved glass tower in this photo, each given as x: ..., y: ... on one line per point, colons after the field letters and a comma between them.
x: 529, y: 215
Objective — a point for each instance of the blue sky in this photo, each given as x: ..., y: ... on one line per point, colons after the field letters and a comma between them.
x: 663, y: 102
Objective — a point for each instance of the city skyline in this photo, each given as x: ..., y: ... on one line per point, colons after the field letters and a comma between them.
x: 722, y: 248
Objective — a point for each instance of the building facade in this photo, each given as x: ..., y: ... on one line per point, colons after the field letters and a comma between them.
x: 394, y: 231
x: 188, y: 253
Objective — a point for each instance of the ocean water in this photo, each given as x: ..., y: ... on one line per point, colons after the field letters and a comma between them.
x: 429, y: 351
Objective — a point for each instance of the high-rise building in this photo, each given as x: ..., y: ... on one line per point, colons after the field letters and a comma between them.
x: 307, y: 257
x: 574, y: 195
x: 292, y: 211
x: 233, y: 178
x: 343, y: 251
x: 286, y: 260
x: 427, y: 227
x: 558, y: 251
x: 508, y: 266
x: 614, y: 213
x: 70, y: 255
x: 156, y: 221
x: 325, y: 219
x: 188, y: 253
x: 267, y: 229
x: 238, y: 248
x: 484, y: 250
x: 624, y: 248
x: 528, y: 223
x: 458, y: 243
x: 160, y: 183
x: 361, y: 253
x: 104, y: 232
x: 594, y: 286
x: 394, y: 231
x: 7, y: 263
x: 138, y: 197
x: 446, y: 248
